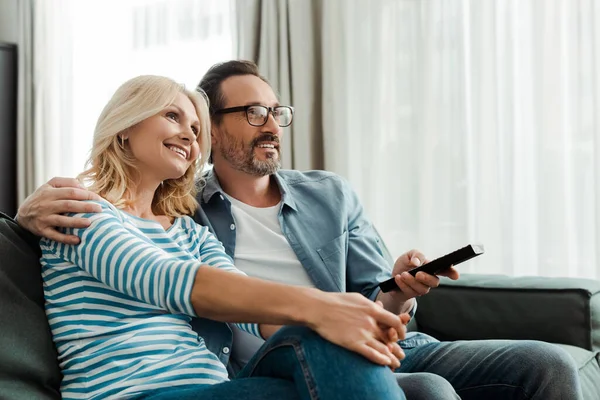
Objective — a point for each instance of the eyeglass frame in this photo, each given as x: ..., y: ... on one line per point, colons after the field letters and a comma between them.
x: 270, y: 110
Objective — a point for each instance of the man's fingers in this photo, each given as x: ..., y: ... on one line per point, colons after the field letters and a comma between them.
x: 74, y: 194
x: 53, y: 234
x: 406, y: 290
x: 426, y: 279
x: 59, y: 182
x: 416, y: 286
x: 68, y: 222
x: 416, y: 258
x: 451, y: 273
x: 74, y: 206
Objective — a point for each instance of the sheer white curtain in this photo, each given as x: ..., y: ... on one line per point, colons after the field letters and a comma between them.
x: 83, y: 50
x: 464, y: 121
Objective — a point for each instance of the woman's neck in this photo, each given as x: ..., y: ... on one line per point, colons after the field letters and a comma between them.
x: 141, y: 207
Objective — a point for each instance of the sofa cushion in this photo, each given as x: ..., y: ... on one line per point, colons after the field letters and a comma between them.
x: 556, y: 310
x: 588, y: 363
x: 28, y: 360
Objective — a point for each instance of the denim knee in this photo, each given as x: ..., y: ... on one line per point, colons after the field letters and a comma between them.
x: 300, y: 333
x: 553, y: 373
x: 554, y: 360
x: 425, y: 386
x: 323, y: 369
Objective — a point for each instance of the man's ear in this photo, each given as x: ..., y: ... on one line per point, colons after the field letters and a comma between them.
x: 213, y: 133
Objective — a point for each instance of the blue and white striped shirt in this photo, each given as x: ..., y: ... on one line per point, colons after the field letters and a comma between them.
x: 119, y: 307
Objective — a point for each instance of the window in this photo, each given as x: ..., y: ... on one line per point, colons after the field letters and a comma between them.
x: 105, y: 43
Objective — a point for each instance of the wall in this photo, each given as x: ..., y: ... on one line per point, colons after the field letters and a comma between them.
x: 9, y: 28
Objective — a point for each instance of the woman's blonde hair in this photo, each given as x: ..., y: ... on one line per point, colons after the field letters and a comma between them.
x: 111, y: 166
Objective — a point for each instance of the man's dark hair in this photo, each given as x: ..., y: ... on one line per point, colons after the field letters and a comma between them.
x: 211, y: 82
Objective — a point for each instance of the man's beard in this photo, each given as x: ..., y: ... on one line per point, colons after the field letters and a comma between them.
x: 242, y: 158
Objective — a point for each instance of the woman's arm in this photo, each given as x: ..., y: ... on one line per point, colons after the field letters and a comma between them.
x: 347, y: 319
x: 132, y: 265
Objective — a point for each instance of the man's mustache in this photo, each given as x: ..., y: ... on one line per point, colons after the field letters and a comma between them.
x: 265, y: 138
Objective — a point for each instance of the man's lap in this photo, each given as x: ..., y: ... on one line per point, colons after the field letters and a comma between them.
x: 517, y: 368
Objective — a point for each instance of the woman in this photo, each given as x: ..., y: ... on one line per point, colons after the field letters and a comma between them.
x: 119, y: 303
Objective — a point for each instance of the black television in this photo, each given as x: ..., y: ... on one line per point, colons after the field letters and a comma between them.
x: 8, y: 128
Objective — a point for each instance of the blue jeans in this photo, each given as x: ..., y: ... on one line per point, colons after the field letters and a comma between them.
x: 296, y: 363
x: 498, y: 369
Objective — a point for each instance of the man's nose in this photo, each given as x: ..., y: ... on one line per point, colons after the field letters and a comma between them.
x: 272, y: 126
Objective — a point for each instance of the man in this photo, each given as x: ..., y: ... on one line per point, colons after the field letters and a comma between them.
x: 309, y: 229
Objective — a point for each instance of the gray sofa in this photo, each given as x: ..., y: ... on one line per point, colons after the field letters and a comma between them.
x: 564, y: 311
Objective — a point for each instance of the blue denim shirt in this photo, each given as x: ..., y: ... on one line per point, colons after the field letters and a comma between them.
x: 325, y: 225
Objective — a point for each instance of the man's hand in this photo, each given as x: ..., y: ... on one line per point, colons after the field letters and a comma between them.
x: 414, y: 286
x: 411, y: 286
x: 41, y: 213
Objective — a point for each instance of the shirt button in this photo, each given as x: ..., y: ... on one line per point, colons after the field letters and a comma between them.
x: 221, y: 196
x: 226, y: 350
x: 232, y: 226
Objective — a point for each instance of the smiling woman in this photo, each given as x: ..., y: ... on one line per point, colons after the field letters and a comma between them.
x: 147, y: 124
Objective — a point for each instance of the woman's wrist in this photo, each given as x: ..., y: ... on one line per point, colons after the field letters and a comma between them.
x: 307, y: 311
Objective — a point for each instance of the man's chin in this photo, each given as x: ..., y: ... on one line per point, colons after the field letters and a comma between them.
x: 266, y: 167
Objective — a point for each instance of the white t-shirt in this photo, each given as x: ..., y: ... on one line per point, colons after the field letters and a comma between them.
x: 261, y: 251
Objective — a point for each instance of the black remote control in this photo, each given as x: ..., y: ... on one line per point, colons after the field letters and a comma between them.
x: 438, y: 265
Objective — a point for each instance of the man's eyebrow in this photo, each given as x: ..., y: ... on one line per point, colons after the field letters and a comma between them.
x: 258, y: 103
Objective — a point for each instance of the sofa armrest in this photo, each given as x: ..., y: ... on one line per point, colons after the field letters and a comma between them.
x: 557, y: 310
x: 28, y: 361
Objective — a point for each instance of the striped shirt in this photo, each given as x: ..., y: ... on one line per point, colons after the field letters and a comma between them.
x: 119, y: 307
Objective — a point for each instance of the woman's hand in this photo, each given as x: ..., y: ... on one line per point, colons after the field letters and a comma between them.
x: 352, y: 321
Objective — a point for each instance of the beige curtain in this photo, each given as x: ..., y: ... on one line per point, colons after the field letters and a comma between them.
x: 284, y: 38
x: 45, y: 86
x: 25, y: 138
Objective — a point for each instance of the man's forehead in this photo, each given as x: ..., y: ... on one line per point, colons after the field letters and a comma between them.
x: 247, y: 89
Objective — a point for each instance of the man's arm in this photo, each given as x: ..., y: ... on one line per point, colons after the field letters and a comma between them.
x: 367, y: 266
x: 42, y: 212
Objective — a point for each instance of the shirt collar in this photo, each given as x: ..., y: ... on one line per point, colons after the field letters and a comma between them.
x: 213, y: 187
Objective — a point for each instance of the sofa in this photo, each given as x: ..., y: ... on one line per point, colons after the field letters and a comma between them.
x: 562, y: 311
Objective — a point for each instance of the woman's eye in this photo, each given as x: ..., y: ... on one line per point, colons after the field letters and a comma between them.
x: 195, y: 130
x: 172, y: 115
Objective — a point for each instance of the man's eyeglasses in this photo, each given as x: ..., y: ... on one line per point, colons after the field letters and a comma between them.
x: 257, y: 115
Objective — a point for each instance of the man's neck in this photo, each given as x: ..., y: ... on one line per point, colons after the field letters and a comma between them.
x: 256, y: 191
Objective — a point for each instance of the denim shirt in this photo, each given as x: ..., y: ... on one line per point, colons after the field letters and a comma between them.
x: 325, y: 225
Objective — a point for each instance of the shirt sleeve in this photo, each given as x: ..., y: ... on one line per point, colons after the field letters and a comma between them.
x: 367, y: 262
x: 128, y: 262
x: 212, y: 252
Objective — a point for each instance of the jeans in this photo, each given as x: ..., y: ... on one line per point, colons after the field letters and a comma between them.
x: 296, y: 363
x: 497, y: 369
x: 426, y: 386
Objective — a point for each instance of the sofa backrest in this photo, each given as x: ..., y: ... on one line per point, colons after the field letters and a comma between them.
x: 28, y: 361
